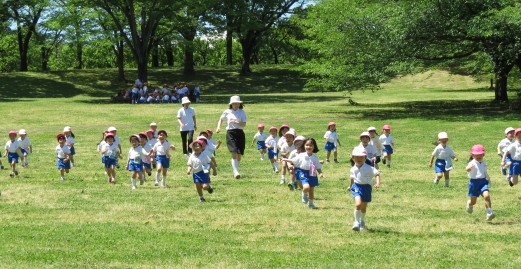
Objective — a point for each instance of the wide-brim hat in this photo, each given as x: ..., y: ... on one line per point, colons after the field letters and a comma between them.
x: 359, y: 151
x: 508, y: 130
x: 365, y: 134
x: 185, y: 100
x: 235, y: 99
x: 153, y: 124
x: 299, y: 138
x: 112, y: 129
x: 443, y: 135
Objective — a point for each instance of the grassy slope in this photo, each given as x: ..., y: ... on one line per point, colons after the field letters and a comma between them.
x: 254, y: 223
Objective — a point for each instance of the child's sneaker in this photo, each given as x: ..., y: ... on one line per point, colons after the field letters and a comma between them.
x: 327, y: 161
x: 384, y: 161
x: 295, y: 186
x: 210, y: 190
x: 305, y: 198
x: 11, y: 174
x: 142, y: 181
x: 356, y: 226
x: 16, y: 172
x: 312, y: 206
x: 134, y: 187
x: 336, y: 161
x: 470, y: 208
x: 290, y: 186
x: 362, y: 225
x: 62, y: 178
x: 163, y: 183
x: 202, y: 200
x: 490, y: 216
x: 156, y: 183
x: 2, y: 167
x: 282, y: 182
x: 276, y: 170
x: 510, y: 183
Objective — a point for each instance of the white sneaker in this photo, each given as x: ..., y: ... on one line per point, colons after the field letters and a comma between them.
x: 436, y: 180
x: 305, y: 198
x: 276, y: 170
x: 356, y: 226
x: 156, y: 183
x: 490, y: 216
x: 470, y: 208
x: 262, y: 158
x: 362, y: 225
x: 62, y: 178
x: 134, y: 187
x: 163, y: 183
x: 282, y: 182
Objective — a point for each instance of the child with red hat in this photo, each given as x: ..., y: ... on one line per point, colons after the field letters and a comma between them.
x: 514, y: 150
x: 199, y: 164
x: 479, y: 180
x: 111, y: 152
x: 387, y: 141
x: 63, y: 155
x: 332, y: 141
x: 260, y: 137
x: 271, y: 146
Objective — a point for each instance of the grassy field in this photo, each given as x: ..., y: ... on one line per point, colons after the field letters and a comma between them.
x: 85, y: 222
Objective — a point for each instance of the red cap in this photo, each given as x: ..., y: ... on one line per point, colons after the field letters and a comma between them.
x: 477, y: 149
x: 284, y: 126
x: 273, y: 128
x: 331, y: 123
x: 517, y: 131
x: 109, y: 135
x: 260, y: 126
x: 386, y: 127
x: 13, y: 132
x: 150, y: 131
x: 60, y: 136
x: 210, y: 131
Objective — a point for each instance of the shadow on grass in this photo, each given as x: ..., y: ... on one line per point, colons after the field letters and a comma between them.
x: 435, y: 110
x: 27, y: 86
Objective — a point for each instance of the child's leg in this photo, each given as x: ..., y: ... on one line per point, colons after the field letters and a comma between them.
x: 199, y: 189
x: 62, y: 172
x: 488, y: 202
x: 472, y: 201
x: 133, y: 179
x: 447, y: 178
x: 113, y: 172
x: 357, y: 213
x: 514, y: 179
x: 305, y: 193
x: 300, y: 184
x: 163, y: 182
x: 206, y: 187
x: 335, y: 155
x: 328, y: 154
x: 437, y: 178
x: 67, y: 171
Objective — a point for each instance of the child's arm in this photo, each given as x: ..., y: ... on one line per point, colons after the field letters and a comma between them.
x: 499, y: 149
x: 320, y: 173
x: 454, y: 157
x: 471, y: 165
x: 432, y: 159
x: 254, y: 139
x: 338, y: 142
x: 351, y: 182
x: 218, y: 129
x: 119, y: 152
x: 19, y: 151
x: 219, y: 142
x: 128, y: 163
x: 377, y: 185
x: 189, y: 170
x: 503, y: 159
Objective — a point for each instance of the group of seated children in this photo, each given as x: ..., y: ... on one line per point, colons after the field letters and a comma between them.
x: 142, y: 93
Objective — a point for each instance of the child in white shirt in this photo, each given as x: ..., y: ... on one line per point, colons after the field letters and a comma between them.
x: 502, y: 148
x: 514, y: 150
x: 271, y: 146
x: 111, y: 152
x: 444, y: 156
x: 135, y: 158
x: 332, y: 141
x: 479, y: 180
x: 62, y: 155
x: 12, y: 152
x: 199, y: 164
x: 25, y: 146
x: 162, y: 152
x: 260, y: 137
x: 387, y: 141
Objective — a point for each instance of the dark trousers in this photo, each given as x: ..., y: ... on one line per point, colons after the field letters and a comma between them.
x: 187, y: 137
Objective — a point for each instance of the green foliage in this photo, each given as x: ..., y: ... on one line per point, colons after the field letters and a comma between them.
x: 8, y: 53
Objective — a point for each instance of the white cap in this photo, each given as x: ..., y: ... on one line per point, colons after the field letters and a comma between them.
x: 443, y: 135
x: 365, y: 134
x: 67, y: 129
x: 359, y: 151
x: 300, y: 138
x: 151, y: 124
x: 292, y: 132
x: 235, y: 99
x: 508, y: 130
x: 372, y: 128
x: 185, y: 100
x: 112, y: 129
x: 22, y: 132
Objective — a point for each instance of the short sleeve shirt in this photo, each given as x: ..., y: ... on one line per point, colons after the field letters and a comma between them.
x: 230, y: 114
x: 303, y: 161
x: 331, y: 137
x: 260, y: 137
x: 198, y: 162
x: 515, y: 151
x: 162, y: 149
x: 24, y: 144
x: 62, y: 151
x: 479, y: 170
x: 364, y: 174
x: 186, y: 115
x: 443, y: 153
x: 12, y: 147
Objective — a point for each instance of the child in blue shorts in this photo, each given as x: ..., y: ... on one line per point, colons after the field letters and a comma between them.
x: 502, y: 148
x: 260, y: 137
x: 199, y: 165
x: 444, y: 156
x: 111, y: 152
x: 479, y: 180
x: 147, y: 165
x: 271, y: 145
x: 360, y: 185
x: 387, y: 141
x: 332, y: 141
x: 12, y: 152
x: 162, y: 152
x: 514, y: 150
x: 135, y: 160
x: 62, y: 154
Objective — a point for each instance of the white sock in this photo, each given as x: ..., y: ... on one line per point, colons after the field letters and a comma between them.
x: 235, y: 166
x: 304, y: 194
x: 362, y: 217
x: 310, y: 200
x: 489, y: 210
x: 157, y: 176
x: 283, y: 177
x: 358, y: 215
x: 133, y: 182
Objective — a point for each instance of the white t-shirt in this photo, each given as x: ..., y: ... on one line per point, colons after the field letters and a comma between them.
x: 479, y: 170
x: 260, y: 137
x: 364, y: 174
x: 387, y: 140
x: 271, y: 142
x: 146, y: 149
x: 24, y: 144
x: 443, y: 153
x: 211, y: 145
x: 62, y: 151
x: 375, y: 142
x: 332, y: 137
x: 111, y: 151
x: 100, y: 145
x: 230, y: 114
x: 370, y: 150
x: 136, y: 154
x: 69, y: 140
x: 281, y: 142
x: 503, y: 144
x: 200, y: 162
x: 161, y: 149
x: 12, y: 147
x: 286, y: 148
x: 303, y: 160
x: 187, y: 118
x: 515, y: 151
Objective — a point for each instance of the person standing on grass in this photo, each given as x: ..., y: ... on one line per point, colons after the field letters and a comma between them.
x: 135, y: 158
x: 502, y: 148
x: 286, y: 148
x: 479, y: 180
x: 25, y: 146
x: 375, y: 142
x: 331, y: 141
x: 111, y: 151
x: 387, y: 141
x: 12, y: 152
x: 162, y: 152
x: 187, y: 123
x: 147, y: 166
x: 271, y: 145
x: 62, y: 154
x: 444, y: 156
x: 260, y: 137
x: 235, y: 138
x: 514, y: 150
x: 361, y: 175
x: 199, y: 164
x: 369, y: 149
x: 310, y: 169
x: 117, y: 143
x: 69, y: 136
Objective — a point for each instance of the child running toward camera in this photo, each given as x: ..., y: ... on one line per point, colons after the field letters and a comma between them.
x: 199, y: 165
x: 514, y: 150
x: 135, y: 161
x: 69, y: 136
x: 286, y: 148
x: 111, y: 152
x: 387, y: 141
x: 271, y: 146
x: 62, y: 155
x: 375, y: 142
x: 361, y: 175
x: 162, y: 152
x: 444, y: 156
x: 502, y: 148
x: 479, y: 180
x: 12, y: 152
x: 294, y: 170
x: 331, y: 141
x: 371, y: 152
x: 260, y: 137
x: 147, y: 166
x: 25, y: 146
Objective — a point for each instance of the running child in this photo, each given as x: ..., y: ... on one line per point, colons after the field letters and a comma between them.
x: 111, y: 152
x: 12, y: 152
x: 286, y: 148
x: 271, y: 146
x: 360, y: 187
x: 69, y: 136
x: 208, y: 151
x: 25, y: 146
x: 387, y: 141
x: 502, y: 148
x: 199, y: 165
x: 135, y: 160
x: 479, y: 180
x: 514, y: 150
x: 212, y: 145
x: 162, y: 152
x: 147, y: 166
x: 294, y: 170
x: 62, y: 155
x: 375, y: 142
x: 152, y: 140
x: 370, y: 151
x: 260, y: 137
x: 331, y: 141
x: 444, y: 156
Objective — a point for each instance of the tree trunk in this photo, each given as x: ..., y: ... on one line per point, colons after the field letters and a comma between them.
x: 169, y: 51
x: 44, y: 55
x: 229, y: 47
x: 79, y: 50
x: 23, y: 48
x: 120, y: 58
x: 275, y: 55
x: 155, y: 55
x: 501, y: 73
x: 189, y: 55
x: 248, y: 45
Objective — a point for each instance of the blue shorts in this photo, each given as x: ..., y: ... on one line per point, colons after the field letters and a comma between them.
x: 388, y: 150
x: 261, y: 145
x: 515, y: 167
x: 271, y: 154
x: 303, y: 175
x: 110, y: 162
x: 133, y: 166
x: 12, y: 157
x: 329, y: 146
x: 297, y: 171
x: 73, y: 151
x: 147, y: 166
x: 508, y: 159
x: 439, y: 167
x: 103, y: 158
x: 477, y: 187
x: 362, y: 190
x: 24, y: 152
x: 201, y: 177
x: 163, y: 161
x: 62, y: 165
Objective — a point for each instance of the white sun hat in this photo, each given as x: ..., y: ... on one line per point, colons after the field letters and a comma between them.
x: 508, y: 130
x: 443, y: 135
x: 112, y: 129
x: 185, y: 100
x: 151, y: 124
x: 22, y: 132
x: 359, y: 151
x: 67, y: 129
x: 235, y: 99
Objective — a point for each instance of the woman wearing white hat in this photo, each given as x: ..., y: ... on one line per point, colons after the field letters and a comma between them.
x: 235, y: 138
x: 187, y: 123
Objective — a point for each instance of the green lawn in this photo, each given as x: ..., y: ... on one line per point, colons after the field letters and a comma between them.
x: 253, y: 222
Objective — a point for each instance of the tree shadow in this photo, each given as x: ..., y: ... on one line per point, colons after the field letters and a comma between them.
x: 35, y: 87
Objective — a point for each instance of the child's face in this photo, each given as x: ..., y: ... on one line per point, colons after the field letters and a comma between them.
x: 61, y: 141
x: 135, y: 142
x: 67, y: 133
x: 386, y: 132
x: 161, y: 137
x: 110, y: 140
x: 273, y: 132
x: 298, y: 143
x: 359, y: 159
x: 518, y: 136
x: 284, y: 131
x: 197, y: 148
x: 332, y: 127
x: 12, y: 137
x: 309, y: 147
x: 261, y: 129
x: 478, y: 157
x: 365, y: 140
x: 143, y: 141
x: 510, y: 135
x: 372, y: 133
x: 236, y: 106
x: 444, y: 141
x: 150, y: 135
x: 289, y: 138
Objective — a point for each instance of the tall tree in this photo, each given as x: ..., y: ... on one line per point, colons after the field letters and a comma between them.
x: 26, y: 15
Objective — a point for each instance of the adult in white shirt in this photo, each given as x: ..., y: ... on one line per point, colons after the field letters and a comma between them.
x: 235, y: 137
x: 187, y: 123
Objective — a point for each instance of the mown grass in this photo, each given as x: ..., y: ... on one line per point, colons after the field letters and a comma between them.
x: 254, y: 222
